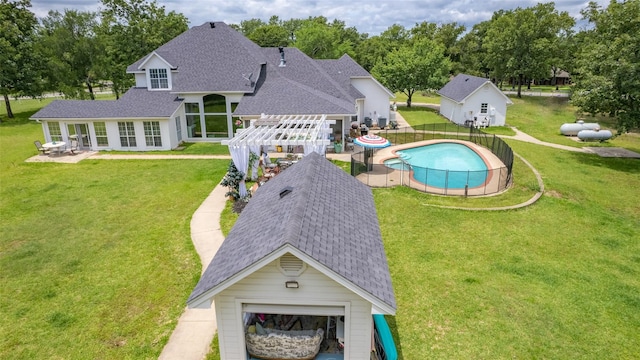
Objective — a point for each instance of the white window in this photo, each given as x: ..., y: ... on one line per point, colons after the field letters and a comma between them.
x: 101, y: 133
x: 152, y: 133
x: 483, y: 108
x: 127, y: 134
x: 158, y: 78
x: 54, y: 131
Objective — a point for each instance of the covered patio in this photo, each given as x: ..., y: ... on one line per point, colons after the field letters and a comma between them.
x: 307, y: 132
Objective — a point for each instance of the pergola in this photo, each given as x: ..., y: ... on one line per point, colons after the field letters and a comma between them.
x: 310, y: 131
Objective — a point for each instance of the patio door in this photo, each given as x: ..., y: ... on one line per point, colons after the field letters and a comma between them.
x: 80, y: 132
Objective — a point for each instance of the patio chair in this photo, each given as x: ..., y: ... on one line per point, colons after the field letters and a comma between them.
x: 73, y: 147
x: 38, y: 145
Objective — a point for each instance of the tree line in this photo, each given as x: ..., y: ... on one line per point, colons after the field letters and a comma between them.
x: 72, y: 51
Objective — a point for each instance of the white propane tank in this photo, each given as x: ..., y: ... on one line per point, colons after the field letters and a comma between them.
x: 572, y: 129
x: 600, y: 135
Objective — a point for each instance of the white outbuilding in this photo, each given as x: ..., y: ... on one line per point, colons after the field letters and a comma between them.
x: 473, y: 101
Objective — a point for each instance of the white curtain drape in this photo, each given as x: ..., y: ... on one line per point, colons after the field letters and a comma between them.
x: 254, y: 169
x: 240, y: 157
x: 309, y: 148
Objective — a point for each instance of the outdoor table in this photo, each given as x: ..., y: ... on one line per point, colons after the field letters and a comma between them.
x: 54, y: 146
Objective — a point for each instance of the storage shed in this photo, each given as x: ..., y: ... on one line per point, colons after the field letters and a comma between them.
x: 473, y: 101
x: 305, y: 254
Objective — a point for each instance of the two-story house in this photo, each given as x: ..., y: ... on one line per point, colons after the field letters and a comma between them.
x: 208, y: 81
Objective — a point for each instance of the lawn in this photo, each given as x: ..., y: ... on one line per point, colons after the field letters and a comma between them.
x: 96, y: 257
x: 97, y: 260
x: 556, y: 280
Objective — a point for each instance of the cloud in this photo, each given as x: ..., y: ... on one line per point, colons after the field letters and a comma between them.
x: 368, y: 16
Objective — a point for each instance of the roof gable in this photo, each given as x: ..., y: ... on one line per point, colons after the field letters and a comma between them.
x: 463, y: 85
x: 316, y: 219
x: 151, y: 56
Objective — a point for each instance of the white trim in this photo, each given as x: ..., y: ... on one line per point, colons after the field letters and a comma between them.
x: 205, y: 299
x: 295, y: 308
x: 143, y: 63
x: 284, y: 130
x: 103, y: 119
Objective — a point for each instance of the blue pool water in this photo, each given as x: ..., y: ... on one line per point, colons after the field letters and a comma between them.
x: 443, y: 165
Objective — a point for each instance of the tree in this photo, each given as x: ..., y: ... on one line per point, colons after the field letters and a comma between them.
x: 72, y: 50
x: 322, y: 40
x: 446, y: 35
x: 373, y: 49
x: 270, y: 36
x: 519, y: 42
x: 421, y: 66
x: 473, y: 56
x: 608, y: 77
x: 20, y: 66
x: 131, y: 29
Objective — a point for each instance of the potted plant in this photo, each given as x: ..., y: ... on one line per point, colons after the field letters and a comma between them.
x: 337, y: 146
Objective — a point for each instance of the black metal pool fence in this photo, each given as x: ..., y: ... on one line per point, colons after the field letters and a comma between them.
x: 380, y: 175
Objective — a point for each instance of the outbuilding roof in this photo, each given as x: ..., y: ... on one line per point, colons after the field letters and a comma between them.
x: 328, y: 216
x: 135, y: 103
x: 461, y: 86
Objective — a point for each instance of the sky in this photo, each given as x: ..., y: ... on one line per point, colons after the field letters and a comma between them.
x: 367, y: 16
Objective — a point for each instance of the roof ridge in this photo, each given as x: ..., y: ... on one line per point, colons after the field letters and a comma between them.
x: 333, y: 82
x: 296, y: 220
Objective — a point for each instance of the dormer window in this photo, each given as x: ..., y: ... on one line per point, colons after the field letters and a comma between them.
x: 158, y: 78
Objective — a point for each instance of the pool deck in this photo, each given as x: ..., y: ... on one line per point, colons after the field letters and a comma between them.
x: 382, y: 175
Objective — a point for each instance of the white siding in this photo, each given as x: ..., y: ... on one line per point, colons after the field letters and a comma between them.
x: 267, y: 286
x: 448, y: 108
x: 141, y: 80
x: 156, y: 63
x: 377, y: 99
x: 488, y: 94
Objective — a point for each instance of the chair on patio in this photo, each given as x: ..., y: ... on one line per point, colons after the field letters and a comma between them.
x: 73, y: 147
x: 38, y: 145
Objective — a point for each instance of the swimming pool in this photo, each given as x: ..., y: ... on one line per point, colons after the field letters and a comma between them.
x: 444, y: 165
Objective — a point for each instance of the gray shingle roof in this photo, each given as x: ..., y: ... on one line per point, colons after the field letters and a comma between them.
x: 329, y: 215
x: 461, y: 86
x: 210, y: 59
x: 135, y: 103
x: 303, y: 86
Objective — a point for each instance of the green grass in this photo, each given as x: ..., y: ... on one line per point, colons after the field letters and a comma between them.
x: 96, y: 257
x: 97, y: 260
x: 417, y: 115
x: 418, y: 97
x: 186, y: 149
x: 541, y: 117
x: 556, y: 280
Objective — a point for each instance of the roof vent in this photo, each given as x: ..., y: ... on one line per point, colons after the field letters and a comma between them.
x: 284, y: 192
x: 283, y: 62
x: 290, y: 265
x: 212, y: 24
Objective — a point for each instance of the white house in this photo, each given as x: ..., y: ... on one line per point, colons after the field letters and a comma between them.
x: 471, y: 100
x: 197, y: 86
x: 308, y: 249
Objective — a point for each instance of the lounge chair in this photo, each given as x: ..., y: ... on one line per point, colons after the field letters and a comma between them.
x: 38, y: 145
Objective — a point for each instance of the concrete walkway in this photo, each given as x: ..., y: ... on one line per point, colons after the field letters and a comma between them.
x: 194, y: 332
x: 520, y: 136
x: 196, y: 327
